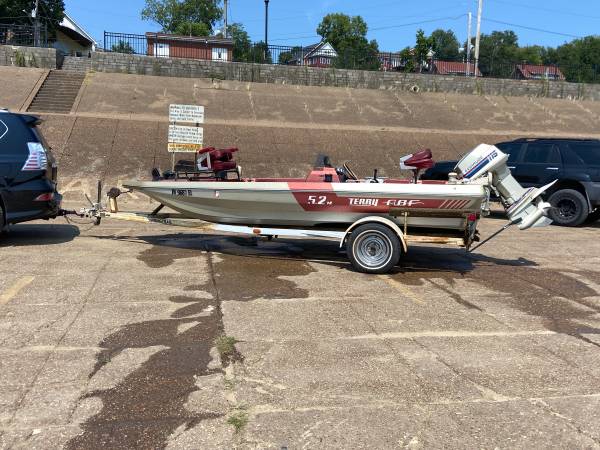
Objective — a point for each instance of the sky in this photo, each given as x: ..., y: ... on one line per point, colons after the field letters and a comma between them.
x: 392, y: 23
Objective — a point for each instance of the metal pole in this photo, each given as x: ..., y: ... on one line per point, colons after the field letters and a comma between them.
x: 266, y: 29
x: 226, y: 30
x: 478, y: 37
x: 468, y: 71
x: 36, y: 26
x: 267, y: 23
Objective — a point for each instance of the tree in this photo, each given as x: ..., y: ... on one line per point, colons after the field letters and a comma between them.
x: 260, y: 54
x: 348, y: 36
x: 122, y: 47
x: 445, y: 45
x: 498, y: 53
x: 295, y: 54
x: 242, y: 46
x: 192, y: 29
x: 422, y: 48
x: 579, y: 59
x: 407, y: 59
x: 175, y: 15
x: 532, y: 54
x: 51, y: 12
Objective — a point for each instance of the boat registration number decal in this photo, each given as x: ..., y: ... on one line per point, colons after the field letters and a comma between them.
x: 181, y: 192
x: 318, y: 200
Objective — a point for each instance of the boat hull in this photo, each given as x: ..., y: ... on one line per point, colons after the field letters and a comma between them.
x: 302, y: 204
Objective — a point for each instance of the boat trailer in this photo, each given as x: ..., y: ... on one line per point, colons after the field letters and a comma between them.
x: 374, y: 239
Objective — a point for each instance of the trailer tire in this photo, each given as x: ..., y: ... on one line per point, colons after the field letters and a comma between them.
x: 373, y: 248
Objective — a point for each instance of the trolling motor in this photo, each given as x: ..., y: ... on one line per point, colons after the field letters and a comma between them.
x: 525, y: 207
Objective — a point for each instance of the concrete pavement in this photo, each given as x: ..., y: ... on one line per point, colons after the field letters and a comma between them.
x: 108, y: 342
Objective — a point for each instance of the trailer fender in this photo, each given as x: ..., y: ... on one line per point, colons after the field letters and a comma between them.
x: 376, y: 219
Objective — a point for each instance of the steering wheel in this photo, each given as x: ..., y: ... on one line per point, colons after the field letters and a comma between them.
x: 350, y: 172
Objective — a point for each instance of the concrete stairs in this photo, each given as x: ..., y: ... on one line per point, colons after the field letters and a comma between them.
x: 77, y: 64
x: 58, y: 93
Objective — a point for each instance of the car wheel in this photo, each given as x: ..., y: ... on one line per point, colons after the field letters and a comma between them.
x: 373, y: 248
x: 570, y: 208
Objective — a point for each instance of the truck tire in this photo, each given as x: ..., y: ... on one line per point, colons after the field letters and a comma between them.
x: 373, y: 248
x: 570, y: 208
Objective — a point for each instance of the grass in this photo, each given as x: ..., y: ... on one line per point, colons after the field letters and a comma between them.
x: 226, y: 348
x: 238, y: 420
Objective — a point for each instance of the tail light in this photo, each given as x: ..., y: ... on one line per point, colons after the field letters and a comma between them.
x: 37, y: 160
x: 47, y: 197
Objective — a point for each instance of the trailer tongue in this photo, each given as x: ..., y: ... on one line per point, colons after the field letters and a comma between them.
x: 375, y: 218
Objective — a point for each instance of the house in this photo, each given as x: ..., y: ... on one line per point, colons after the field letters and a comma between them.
x: 209, y: 48
x: 534, y: 72
x: 391, y: 61
x: 72, y: 39
x: 453, y: 68
x: 317, y: 55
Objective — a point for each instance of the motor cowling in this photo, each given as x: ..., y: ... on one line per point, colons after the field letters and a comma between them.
x: 524, y: 207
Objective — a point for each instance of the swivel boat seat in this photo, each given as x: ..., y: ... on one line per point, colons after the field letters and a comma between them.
x: 417, y: 162
x: 217, y: 162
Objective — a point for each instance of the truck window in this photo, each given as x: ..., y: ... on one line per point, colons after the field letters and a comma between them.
x: 511, y: 149
x: 583, y: 153
x: 537, y: 153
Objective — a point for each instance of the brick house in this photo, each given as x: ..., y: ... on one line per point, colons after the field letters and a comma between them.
x: 209, y: 48
x: 453, y: 68
x: 534, y: 72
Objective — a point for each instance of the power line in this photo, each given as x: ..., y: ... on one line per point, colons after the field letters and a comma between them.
x: 540, y: 8
x: 540, y: 30
x: 418, y: 23
x: 289, y: 38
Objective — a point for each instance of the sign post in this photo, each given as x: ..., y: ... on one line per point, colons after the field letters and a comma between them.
x: 182, y: 138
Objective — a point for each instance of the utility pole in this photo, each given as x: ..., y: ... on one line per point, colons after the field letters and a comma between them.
x: 36, y: 25
x: 266, y: 30
x: 468, y: 71
x: 267, y: 23
x: 226, y: 29
x: 478, y: 38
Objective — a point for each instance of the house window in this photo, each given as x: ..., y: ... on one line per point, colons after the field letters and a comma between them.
x: 162, y: 50
x: 220, y: 54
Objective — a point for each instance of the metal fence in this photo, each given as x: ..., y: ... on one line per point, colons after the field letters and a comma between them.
x: 313, y: 56
x: 23, y: 35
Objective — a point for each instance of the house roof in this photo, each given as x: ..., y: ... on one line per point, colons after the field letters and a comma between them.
x: 202, y: 39
x: 323, y: 48
x: 530, y: 71
x: 72, y: 29
x: 453, y: 67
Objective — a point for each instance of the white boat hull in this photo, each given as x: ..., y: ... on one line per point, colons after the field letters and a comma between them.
x: 302, y: 204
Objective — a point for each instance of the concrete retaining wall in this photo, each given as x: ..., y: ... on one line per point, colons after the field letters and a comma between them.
x: 44, y: 58
x: 309, y: 76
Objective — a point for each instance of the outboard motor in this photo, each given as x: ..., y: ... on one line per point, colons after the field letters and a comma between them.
x: 524, y: 207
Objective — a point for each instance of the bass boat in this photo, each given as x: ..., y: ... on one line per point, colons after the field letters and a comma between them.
x: 212, y: 189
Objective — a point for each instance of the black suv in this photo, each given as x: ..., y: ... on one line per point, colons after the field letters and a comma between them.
x: 27, y: 172
x: 575, y: 163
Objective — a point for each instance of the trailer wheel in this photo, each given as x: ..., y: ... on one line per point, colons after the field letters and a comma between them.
x: 373, y: 248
